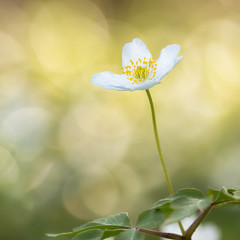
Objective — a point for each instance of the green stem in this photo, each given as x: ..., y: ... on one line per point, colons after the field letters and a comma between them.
x: 170, y: 188
x: 197, y: 222
x: 204, y: 213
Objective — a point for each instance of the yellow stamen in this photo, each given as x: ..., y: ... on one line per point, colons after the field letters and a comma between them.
x: 141, y: 70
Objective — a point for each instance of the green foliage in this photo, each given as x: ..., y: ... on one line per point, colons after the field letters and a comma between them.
x: 224, y: 195
x: 151, y: 218
x: 96, y: 234
x: 91, y: 234
x: 108, y: 225
x: 183, y: 203
x: 131, y: 234
x: 112, y: 221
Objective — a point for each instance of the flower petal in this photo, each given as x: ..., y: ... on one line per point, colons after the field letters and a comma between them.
x: 119, y: 82
x: 144, y: 85
x: 109, y: 80
x: 133, y: 51
x: 167, y: 60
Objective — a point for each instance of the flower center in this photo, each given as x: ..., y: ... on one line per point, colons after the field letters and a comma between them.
x: 141, y: 70
x: 141, y: 73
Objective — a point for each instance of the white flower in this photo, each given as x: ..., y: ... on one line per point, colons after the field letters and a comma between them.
x: 204, y: 231
x: 140, y: 70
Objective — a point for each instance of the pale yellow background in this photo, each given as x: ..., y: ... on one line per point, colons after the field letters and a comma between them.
x: 71, y: 151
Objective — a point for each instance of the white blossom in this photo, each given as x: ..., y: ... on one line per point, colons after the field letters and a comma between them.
x: 140, y: 71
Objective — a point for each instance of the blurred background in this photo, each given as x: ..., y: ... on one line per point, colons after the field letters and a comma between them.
x: 72, y: 152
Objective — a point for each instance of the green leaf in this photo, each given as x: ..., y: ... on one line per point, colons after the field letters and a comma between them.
x: 235, y: 193
x: 89, y: 235
x: 120, y: 219
x: 151, y: 218
x: 219, y: 196
x: 185, y: 207
x: 224, y: 195
x: 183, y: 203
x: 59, y: 234
x: 131, y: 234
x: 188, y: 193
x: 115, y: 222
x: 113, y: 233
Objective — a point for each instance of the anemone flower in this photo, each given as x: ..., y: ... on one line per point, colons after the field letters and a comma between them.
x: 140, y: 71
